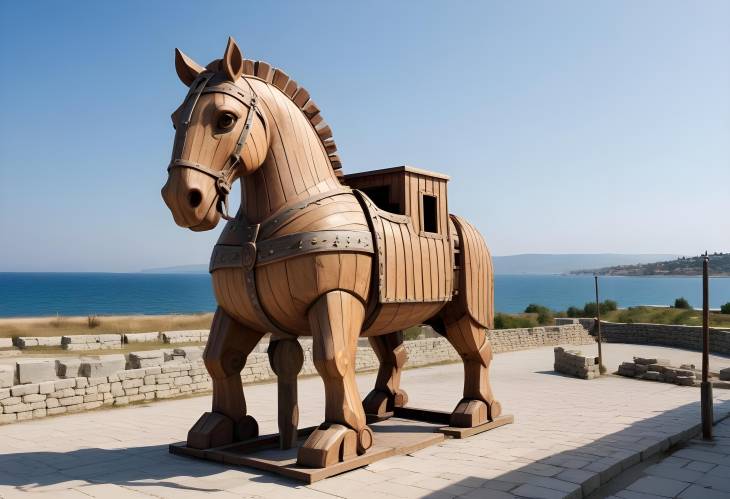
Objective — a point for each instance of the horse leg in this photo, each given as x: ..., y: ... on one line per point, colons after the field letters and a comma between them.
x: 471, y: 343
x: 286, y: 359
x: 335, y: 319
x: 387, y: 393
x: 229, y: 345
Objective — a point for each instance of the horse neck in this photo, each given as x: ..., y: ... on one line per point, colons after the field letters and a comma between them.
x: 296, y: 165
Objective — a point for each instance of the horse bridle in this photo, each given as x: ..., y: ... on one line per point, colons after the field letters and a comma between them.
x: 224, y: 177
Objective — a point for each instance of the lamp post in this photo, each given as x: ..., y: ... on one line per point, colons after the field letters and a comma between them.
x: 601, y: 368
x: 706, y: 386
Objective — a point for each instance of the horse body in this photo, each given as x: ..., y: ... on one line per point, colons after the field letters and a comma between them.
x: 306, y: 255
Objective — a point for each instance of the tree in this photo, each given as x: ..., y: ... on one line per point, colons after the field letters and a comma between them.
x: 725, y: 309
x: 682, y: 302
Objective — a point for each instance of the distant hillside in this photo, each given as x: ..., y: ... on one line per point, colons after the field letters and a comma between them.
x: 512, y: 264
x: 719, y: 266
x: 565, y: 263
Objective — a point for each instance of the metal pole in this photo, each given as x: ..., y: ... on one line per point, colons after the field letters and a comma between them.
x: 601, y: 369
x: 706, y: 386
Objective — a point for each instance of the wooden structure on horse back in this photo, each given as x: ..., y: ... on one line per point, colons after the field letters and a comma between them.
x: 313, y: 252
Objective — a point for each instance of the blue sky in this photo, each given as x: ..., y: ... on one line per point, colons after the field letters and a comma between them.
x: 567, y: 127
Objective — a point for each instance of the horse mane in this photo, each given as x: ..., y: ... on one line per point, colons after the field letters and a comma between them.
x: 299, y: 96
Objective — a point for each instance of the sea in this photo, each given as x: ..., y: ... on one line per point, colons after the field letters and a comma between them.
x: 68, y: 294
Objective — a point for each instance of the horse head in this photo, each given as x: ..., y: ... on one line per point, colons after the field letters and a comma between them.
x: 220, y: 135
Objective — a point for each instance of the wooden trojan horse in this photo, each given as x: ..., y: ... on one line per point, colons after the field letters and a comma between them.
x: 313, y: 253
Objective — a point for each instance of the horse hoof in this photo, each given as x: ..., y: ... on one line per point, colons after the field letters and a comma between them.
x: 327, y: 445
x: 246, y: 428
x: 211, y: 430
x: 470, y: 413
x: 379, y: 402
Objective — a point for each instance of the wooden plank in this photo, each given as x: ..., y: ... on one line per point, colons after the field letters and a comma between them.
x: 280, y: 79
x: 264, y: 71
x: 456, y: 432
x: 301, y: 97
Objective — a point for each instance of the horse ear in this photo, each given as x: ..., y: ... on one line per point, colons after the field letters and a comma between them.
x: 187, y: 69
x: 232, y: 60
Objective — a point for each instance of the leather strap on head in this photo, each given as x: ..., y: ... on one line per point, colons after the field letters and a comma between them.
x: 224, y: 177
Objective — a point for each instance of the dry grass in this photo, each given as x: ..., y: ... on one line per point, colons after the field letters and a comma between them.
x: 59, y: 325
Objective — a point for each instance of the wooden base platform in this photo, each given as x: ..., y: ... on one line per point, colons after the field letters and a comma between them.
x: 392, y: 437
x: 410, y: 429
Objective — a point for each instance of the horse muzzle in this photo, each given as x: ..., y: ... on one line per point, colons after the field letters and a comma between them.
x: 193, y: 204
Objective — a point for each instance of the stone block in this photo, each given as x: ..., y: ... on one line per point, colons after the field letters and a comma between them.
x: 66, y: 401
x: 47, y: 387
x: 185, y: 336
x: 56, y: 410
x: 146, y: 358
x: 6, y: 342
x: 653, y: 376
x: 141, y: 337
x: 68, y: 367
x: 36, y: 370
x: 4, y: 393
x: 77, y: 339
x: 725, y: 374
x: 7, y: 376
x: 64, y: 383
x: 49, y: 341
x: 33, y: 397
x: 8, y: 418
x: 25, y: 415
x: 191, y: 354
x: 26, y: 341
x: 39, y: 413
x: 684, y: 380
x: 102, y: 366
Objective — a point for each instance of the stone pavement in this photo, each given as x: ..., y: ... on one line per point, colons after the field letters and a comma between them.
x: 569, y: 436
x: 699, y: 470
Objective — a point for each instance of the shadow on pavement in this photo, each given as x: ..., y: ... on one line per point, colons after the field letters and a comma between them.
x: 548, y: 476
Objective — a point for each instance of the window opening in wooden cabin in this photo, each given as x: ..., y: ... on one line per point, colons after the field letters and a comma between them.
x: 380, y: 195
x: 430, y: 213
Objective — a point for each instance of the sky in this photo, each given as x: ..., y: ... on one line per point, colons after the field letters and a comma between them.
x: 566, y: 126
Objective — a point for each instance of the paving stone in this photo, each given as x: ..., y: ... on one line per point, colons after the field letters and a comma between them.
x: 664, y: 487
x: 667, y: 471
x: 588, y: 480
x: 698, y: 492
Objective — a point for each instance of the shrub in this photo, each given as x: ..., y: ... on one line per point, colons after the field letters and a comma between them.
x: 92, y: 320
x: 682, y: 302
x: 589, y: 309
x: 506, y: 321
x: 725, y: 309
x: 545, y: 317
x: 533, y: 308
x: 574, y: 312
x: 609, y: 305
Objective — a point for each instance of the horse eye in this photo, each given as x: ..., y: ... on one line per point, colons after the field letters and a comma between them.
x: 226, y: 121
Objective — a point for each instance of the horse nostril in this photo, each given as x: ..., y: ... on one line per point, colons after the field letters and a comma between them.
x: 194, y: 198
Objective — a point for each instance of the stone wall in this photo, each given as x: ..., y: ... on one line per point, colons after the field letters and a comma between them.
x: 43, y: 387
x: 574, y: 363
x: 687, y: 337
